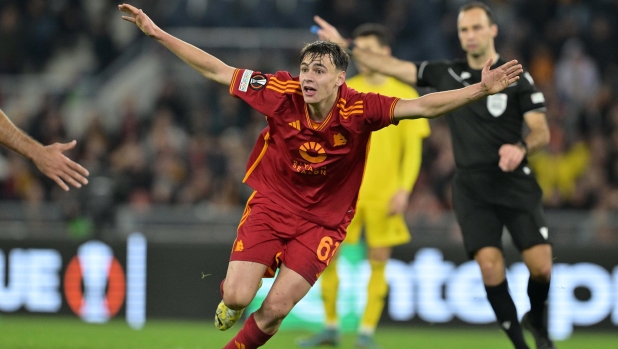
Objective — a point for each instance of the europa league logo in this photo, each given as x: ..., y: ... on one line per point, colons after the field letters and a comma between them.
x: 103, y: 283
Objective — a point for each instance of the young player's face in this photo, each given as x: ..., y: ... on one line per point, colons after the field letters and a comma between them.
x: 476, y: 34
x: 319, y: 79
x: 370, y: 43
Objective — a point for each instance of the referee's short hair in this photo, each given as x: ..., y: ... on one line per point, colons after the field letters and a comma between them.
x: 482, y: 6
x: 373, y: 29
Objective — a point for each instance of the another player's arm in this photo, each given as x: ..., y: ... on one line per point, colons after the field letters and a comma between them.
x: 388, y: 65
x: 48, y: 159
x: 511, y: 155
x: 435, y: 104
x: 207, y: 65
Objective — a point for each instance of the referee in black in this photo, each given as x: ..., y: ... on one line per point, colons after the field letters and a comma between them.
x: 494, y: 186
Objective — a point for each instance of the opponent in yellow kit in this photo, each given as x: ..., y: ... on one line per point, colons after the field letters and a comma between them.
x: 392, y: 168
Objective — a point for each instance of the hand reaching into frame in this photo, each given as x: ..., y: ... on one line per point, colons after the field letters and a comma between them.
x: 140, y: 19
x: 50, y: 160
x: 328, y: 32
x: 496, y: 80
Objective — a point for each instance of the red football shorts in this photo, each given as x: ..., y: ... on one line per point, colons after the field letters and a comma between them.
x: 269, y: 234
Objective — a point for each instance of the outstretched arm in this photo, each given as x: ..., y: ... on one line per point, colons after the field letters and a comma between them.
x: 48, y: 159
x: 435, y: 104
x: 209, y: 66
x: 387, y: 65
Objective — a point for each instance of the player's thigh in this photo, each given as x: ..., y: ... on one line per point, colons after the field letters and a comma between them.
x: 384, y: 230
x: 242, y: 282
x: 527, y: 227
x: 478, y: 220
x: 287, y: 290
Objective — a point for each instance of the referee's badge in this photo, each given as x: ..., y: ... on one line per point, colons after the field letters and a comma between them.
x: 496, y: 104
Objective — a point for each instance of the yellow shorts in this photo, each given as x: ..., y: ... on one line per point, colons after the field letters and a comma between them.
x: 381, y: 230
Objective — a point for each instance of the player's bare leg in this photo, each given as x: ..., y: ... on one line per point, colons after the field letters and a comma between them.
x: 538, y: 259
x: 491, y: 262
x: 288, y: 289
x: 330, y: 335
x: 239, y: 288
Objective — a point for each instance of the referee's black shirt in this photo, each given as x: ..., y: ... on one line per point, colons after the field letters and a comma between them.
x: 479, y: 129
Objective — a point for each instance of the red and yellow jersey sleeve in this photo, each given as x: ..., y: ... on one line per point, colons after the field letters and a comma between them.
x: 263, y: 92
x: 367, y: 112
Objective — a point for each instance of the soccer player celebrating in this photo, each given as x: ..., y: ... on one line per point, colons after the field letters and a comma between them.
x: 382, y: 199
x: 48, y: 159
x: 306, y: 168
x: 493, y: 187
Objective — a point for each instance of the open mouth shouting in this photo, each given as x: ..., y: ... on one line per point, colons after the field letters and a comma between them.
x: 309, y: 91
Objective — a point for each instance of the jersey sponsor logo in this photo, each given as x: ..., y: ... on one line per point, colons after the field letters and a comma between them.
x: 244, y: 81
x: 295, y: 124
x: 496, y: 104
x: 339, y: 140
x: 537, y: 97
x: 305, y: 168
x: 258, y: 82
x: 312, y: 152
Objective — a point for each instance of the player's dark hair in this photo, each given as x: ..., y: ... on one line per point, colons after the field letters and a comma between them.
x: 320, y: 49
x: 482, y: 6
x: 373, y: 29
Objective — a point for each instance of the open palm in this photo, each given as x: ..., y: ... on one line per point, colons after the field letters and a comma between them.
x: 139, y: 18
x: 496, y: 80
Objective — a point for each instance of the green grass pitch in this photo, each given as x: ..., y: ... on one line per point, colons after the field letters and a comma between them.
x: 40, y: 332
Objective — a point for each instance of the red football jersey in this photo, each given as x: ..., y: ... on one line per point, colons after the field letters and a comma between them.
x: 312, y: 169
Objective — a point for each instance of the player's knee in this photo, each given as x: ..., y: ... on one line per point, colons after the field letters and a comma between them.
x: 541, y: 273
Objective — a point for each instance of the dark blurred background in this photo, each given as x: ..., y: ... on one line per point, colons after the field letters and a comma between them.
x: 167, y: 149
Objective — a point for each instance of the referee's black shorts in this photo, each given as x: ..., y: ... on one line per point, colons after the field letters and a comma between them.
x: 487, y: 200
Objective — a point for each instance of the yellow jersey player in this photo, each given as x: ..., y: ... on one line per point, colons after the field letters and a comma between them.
x: 392, y: 168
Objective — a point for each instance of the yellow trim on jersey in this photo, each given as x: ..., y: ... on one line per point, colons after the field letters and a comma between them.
x: 233, y: 81
x: 266, y: 138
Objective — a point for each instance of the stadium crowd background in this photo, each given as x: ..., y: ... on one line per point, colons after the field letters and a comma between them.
x: 191, y: 147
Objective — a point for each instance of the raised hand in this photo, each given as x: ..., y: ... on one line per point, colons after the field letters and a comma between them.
x: 58, y: 167
x: 328, y: 32
x: 139, y: 18
x: 496, y: 80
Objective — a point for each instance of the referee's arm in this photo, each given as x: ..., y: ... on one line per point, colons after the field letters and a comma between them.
x: 439, y: 103
x: 511, y: 155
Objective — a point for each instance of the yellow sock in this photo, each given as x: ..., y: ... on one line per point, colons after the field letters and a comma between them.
x: 376, y: 292
x: 330, y: 284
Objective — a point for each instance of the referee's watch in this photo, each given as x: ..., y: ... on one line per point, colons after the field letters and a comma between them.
x: 523, y: 144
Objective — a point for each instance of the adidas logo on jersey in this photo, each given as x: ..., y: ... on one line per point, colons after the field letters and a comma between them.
x: 295, y: 124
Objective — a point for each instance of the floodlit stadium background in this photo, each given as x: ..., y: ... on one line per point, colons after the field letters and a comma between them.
x: 167, y: 149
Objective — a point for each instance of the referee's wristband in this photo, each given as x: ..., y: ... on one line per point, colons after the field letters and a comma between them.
x: 523, y: 144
